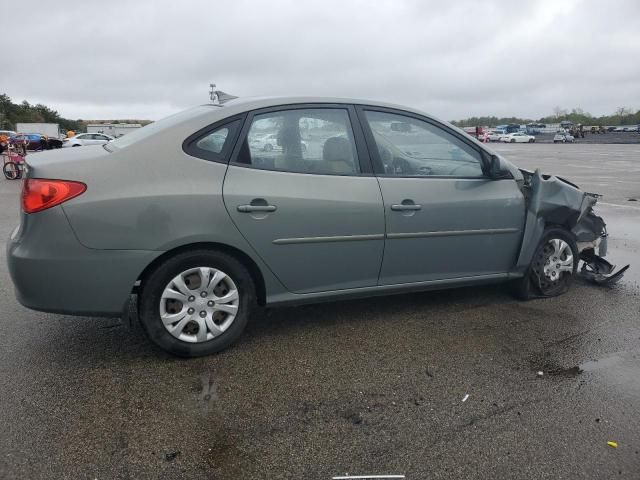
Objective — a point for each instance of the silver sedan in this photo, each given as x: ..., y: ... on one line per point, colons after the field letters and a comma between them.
x: 205, y: 224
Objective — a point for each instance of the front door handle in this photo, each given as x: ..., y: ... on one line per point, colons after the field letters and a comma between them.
x: 257, y: 205
x: 403, y: 207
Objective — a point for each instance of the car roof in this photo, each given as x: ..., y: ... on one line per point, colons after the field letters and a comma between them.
x: 253, y: 103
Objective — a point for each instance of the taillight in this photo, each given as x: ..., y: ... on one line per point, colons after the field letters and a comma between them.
x: 39, y: 194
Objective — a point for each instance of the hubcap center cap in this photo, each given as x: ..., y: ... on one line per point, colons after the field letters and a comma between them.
x: 201, y: 304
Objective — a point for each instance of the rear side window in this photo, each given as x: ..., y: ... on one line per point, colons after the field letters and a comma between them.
x: 214, y: 143
x: 316, y: 141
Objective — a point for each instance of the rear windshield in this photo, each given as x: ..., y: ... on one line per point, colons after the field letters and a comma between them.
x: 155, y: 127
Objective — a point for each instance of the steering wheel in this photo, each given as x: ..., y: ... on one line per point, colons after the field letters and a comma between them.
x: 402, y: 166
x: 455, y: 171
x: 425, y: 170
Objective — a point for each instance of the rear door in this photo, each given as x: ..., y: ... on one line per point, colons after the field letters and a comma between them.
x: 445, y: 219
x: 309, y: 205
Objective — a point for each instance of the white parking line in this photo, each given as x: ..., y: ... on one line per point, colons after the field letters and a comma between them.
x: 633, y: 207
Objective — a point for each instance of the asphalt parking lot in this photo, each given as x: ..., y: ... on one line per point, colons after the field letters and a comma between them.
x: 609, y: 137
x: 361, y: 387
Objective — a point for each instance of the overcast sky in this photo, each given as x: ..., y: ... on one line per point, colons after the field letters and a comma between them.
x: 146, y: 59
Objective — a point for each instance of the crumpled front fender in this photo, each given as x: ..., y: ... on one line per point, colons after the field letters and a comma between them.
x: 554, y: 201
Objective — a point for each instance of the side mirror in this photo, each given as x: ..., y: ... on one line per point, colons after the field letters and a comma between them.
x: 496, y: 170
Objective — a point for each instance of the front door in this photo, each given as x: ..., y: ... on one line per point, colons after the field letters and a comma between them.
x: 300, y: 190
x: 445, y: 219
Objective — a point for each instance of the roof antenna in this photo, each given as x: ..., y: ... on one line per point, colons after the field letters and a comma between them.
x: 218, y: 97
x: 212, y: 92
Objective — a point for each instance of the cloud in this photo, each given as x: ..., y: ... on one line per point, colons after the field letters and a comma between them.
x: 146, y: 59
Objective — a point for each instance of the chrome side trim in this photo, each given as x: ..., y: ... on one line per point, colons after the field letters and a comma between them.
x: 451, y: 233
x: 337, y: 238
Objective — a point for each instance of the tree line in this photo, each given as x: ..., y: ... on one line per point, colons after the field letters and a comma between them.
x: 622, y: 116
x: 13, y: 113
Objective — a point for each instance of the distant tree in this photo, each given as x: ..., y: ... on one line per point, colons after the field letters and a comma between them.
x: 622, y: 116
x: 559, y: 112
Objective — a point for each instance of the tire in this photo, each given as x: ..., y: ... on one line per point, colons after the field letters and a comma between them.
x: 541, y: 279
x: 76, y: 145
x: 162, y: 277
x: 12, y: 171
x: 268, y: 147
x: 513, y: 140
x: 531, y: 140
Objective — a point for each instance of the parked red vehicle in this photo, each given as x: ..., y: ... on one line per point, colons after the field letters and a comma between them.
x: 36, y: 141
x: 476, y: 132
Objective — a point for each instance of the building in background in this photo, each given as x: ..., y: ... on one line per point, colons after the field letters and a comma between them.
x: 114, y: 129
x: 48, y: 129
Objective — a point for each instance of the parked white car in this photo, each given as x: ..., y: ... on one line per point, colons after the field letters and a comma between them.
x: 518, y: 137
x: 269, y: 142
x: 563, y: 137
x: 495, y: 136
x: 83, y: 139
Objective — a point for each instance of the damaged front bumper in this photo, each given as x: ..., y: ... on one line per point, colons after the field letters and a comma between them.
x: 597, y: 270
x: 554, y: 201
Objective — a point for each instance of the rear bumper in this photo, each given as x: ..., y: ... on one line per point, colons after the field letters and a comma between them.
x: 53, y: 272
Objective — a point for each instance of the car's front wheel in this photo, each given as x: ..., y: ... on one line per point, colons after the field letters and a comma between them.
x: 553, y: 266
x: 196, y: 303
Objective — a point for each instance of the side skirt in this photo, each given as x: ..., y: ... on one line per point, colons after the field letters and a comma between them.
x: 351, y: 293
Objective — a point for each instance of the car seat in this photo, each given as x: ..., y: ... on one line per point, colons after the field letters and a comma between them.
x: 337, y: 155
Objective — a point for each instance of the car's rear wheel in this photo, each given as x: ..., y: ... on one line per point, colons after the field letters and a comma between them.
x: 553, y: 266
x: 197, y: 303
x: 12, y: 171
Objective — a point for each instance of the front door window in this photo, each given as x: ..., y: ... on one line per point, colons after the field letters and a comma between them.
x: 411, y: 147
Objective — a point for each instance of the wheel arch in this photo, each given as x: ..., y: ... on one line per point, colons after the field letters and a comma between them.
x: 246, y: 260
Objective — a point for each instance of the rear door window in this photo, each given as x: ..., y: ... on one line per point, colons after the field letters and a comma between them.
x: 316, y: 141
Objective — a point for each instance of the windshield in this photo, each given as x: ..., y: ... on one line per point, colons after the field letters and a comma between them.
x: 155, y: 127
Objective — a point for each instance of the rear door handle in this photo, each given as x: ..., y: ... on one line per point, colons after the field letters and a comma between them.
x: 405, y: 207
x: 256, y: 208
x: 257, y: 205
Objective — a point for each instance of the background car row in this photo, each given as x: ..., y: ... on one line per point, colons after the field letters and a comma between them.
x: 36, y: 141
x: 82, y: 139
